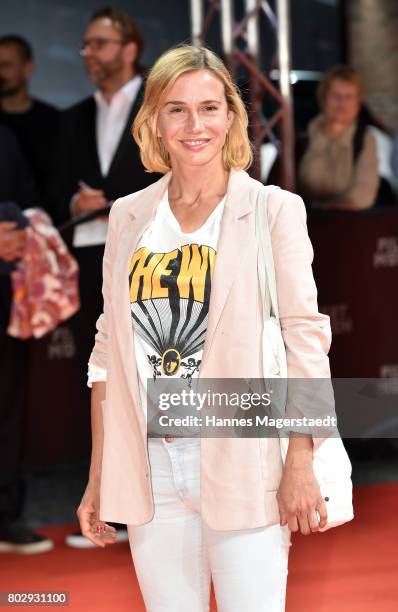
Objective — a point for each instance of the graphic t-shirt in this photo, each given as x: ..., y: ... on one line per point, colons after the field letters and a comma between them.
x: 170, y: 276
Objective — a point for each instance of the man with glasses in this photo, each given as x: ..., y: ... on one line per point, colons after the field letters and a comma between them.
x: 98, y: 161
x: 97, y: 158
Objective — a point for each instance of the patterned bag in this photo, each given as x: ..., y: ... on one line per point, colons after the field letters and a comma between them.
x: 45, y: 282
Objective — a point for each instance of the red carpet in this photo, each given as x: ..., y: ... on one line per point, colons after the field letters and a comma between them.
x: 353, y: 568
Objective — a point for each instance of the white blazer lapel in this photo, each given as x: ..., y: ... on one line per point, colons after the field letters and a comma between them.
x: 136, y: 219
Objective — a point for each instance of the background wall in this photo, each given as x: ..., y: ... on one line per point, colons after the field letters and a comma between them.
x: 373, y: 49
x: 55, y: 28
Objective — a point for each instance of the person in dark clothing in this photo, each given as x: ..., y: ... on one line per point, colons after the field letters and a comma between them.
x: 99, y: 161
x: 34, y: 122
x: 17, y: 183
x: 16, y: 186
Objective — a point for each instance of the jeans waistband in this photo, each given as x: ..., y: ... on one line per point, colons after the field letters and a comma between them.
x: 178, y: 441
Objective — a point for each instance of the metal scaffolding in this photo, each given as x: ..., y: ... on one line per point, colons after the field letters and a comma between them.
x: 248, y: 30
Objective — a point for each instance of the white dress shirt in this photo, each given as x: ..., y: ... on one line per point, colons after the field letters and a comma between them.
x: 110, y: 123
x: 111, y: 120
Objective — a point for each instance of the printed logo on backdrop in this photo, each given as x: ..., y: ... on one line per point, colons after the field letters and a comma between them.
x: 340, y: 320
x: 388, y: 381
x: 386, y: 254
x: 61, y: 344
x: 389, y: 370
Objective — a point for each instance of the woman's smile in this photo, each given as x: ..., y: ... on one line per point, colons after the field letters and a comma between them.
x: 195, y: 144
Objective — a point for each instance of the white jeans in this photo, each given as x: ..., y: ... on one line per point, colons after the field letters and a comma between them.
x: 176, y: 554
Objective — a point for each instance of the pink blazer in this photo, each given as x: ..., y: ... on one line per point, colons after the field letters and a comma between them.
x: 239, y: 476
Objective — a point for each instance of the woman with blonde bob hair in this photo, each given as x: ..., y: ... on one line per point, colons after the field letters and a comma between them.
x: 181, y: 302
x: 237, y: 151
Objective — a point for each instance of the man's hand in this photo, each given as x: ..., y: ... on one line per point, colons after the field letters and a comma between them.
x: 299, y: 496
x: 87, y: 199
x: 12, y: 241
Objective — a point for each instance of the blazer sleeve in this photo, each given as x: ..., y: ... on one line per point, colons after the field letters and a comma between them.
x: 306, y: 331
x: 98, y: 355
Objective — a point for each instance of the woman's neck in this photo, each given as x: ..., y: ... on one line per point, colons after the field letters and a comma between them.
x: 189, y: 185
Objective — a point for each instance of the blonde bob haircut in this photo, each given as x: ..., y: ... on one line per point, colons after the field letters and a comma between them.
x: 237, y: 150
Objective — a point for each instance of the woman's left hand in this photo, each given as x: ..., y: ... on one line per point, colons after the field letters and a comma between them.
x: 299, y: 496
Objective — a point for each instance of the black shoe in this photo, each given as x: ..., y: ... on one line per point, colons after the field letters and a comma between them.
x: 18, y: 538
x: 78, y: 540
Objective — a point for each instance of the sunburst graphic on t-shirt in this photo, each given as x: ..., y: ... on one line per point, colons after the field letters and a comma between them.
x: 169, y: 296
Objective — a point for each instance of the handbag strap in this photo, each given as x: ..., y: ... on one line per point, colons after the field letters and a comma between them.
x: 266, y: 266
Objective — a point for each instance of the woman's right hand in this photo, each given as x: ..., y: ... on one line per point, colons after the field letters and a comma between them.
x: 98, y: 532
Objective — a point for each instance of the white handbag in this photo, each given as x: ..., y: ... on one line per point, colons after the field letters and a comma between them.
x: 332, y: 466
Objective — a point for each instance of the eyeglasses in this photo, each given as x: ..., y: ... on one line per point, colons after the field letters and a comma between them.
x: 96, y: 44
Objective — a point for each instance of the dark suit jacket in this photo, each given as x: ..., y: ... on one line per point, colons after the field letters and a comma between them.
x: 16, y: 185
x: 77, y: 159
x: 16, y: 179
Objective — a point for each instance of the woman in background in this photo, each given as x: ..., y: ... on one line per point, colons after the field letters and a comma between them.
x: 338, y: 165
